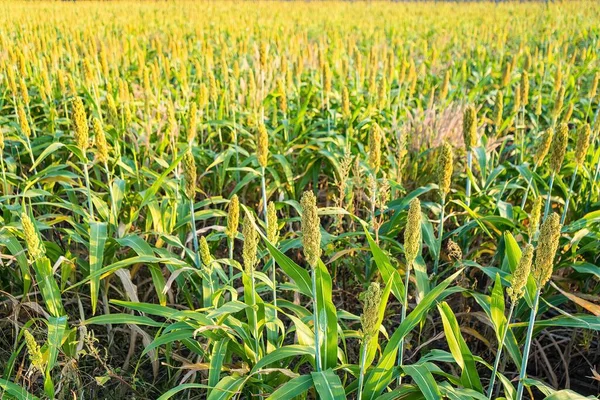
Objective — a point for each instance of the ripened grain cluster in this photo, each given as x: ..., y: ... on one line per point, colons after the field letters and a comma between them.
x: 299, y: 200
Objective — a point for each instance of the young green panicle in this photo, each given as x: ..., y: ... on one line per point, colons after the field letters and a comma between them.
x: 543, y: 146
x: 100, y: 140
x: 370, y: 315
x: 546, y: 249
x: 558, y: 103
x: 470, y: 127
x: 375, y: 148
x: 583, y: 143
x: 272, y: 224
x: 445, y: 168
x: 250, y: 245
x: 311, y: 228
x: 519, y: 277
x: 524, y: 88
x: 559, y: 147
x: 205, y: 252
x: 80, y: 125
x: 262, y: 145
x: 534, y: 217
x: 189, y: 173
x: 34, y: 245
x: 412, y: 233
x: 233, y: 217
x: 498, y: 109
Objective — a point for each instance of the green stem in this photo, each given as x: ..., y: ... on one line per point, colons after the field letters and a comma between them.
x: 89, y: 192
x: 316, y: 321
x: 4, y: 181
x: 403, y: 317
x: 547, y: 208
x: 439, y: 239
x: 361, y: 373
x: 469, y: 167
x: 529, y: 182
x: 499, y: 353
x: 230, y: 243
x: 564, y: 214
x: 527, y: 345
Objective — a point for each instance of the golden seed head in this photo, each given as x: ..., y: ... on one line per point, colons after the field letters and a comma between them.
x: 569, y: 113
x: 445, y: 86
x: 470, y: 127
x: 558, y: 103
x: 311, y: 228
x: 538, y: 106
x: 262, y: 145
x: 189, y: 172
x: 272, y: 224
x: 517, y: 99
x: 80, y: 125
x: 525, y: 88
x: 534, y: 217
x: 191, y: 136
x: 1, y: 139
x: 34, y: 245
x: 250, y: 245
x: 24, y: 91
x: 375, y: 147
x: 543, y: 146
x: 445, y: 168
x: 23, y: 122
x: 519, y: 277
x: 205, y: 252
x: 370, y: 315
x: 583, y: 142
x: 100, y: 139
x: 233, y: 217
x: 498, y: 109
x: 345, y: 103
x: 382, y: 94
x: 34, y: 352
x: 558, y: 147
x: 546, y: 249
x: 412, y: 233
x: 282, y: 98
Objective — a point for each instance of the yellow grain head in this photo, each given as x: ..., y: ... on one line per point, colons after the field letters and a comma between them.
x: 193, y: 122
x: 519, y: 277
x: 594, y: 86
x: 311, y: 228
x: 558, y: 147
x: 345, y: 103
x: 233, y: 217
x: 412, y: 233
x: 34, y: 352
x: 80, y: 125
x: 543, y: 146
x: 546, y: 249
x: 190, y: 174
x: 583, y: 143
x: 498, y: 109
x: 282, y: 97
x: 272, y: 224
x: 262, y: 145
x: 23, y: 122
x: 24, y: 91
x: 205, y: 253
x: 534, y: 217
x: 100, y: 140
x: 375, y: 147
x: 558, y: 103
x: 525, y: 88
x: 445, y: 168
x: 35, y: 247
x: 470, y: 127
x: 250, y: 245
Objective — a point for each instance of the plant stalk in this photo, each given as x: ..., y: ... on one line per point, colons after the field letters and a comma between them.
x: 499, y: 353
x: 527, y: 345
x: 564, y: 214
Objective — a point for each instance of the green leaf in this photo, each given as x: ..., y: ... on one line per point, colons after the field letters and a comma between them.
x: 170, y: 393
x: 216, y: 362
x: 328, y: 385
x: 497, y: 308
x: 15, y: 390
x: 282, y: 353
x: 327, y: 316
x: 386, y: 269
x: 458, y: 347
x: 97, y: 242
x: 381, y: 376
x: 424, y: 380
x: 293, y: 388
x: 48, y: 286
x: 226, y: 388
x: 299, y: 275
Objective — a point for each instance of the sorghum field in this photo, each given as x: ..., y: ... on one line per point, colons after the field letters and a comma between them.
x: 299, y: 200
